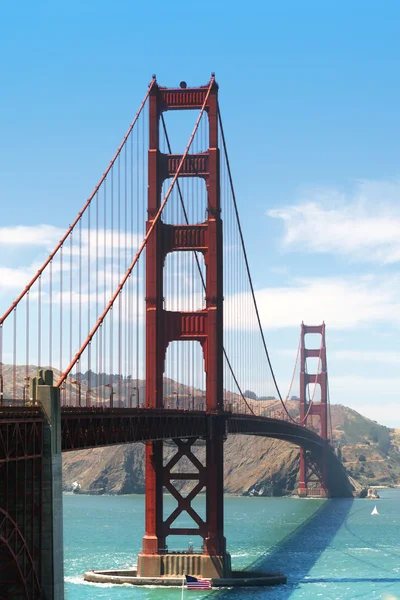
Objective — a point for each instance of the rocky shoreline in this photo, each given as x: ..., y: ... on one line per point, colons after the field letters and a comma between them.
x: 253, y: 467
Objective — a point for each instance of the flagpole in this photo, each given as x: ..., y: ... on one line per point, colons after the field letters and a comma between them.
x: 183, y: 583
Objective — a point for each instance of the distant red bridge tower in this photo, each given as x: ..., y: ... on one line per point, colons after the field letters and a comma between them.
x: 313, y: 481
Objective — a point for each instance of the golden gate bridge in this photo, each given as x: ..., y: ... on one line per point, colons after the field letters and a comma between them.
x: 149, y: 285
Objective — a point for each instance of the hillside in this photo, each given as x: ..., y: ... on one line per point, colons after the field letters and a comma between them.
x: 370, y: 452
x: 119, y: 470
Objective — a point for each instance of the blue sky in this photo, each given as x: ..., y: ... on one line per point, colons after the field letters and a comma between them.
x: 309, y: 94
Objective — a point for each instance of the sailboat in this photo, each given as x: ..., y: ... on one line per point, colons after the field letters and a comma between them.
x: 375, y: 511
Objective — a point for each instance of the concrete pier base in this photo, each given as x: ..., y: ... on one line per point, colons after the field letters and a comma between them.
x: 315, y: 492
x: 237, y: 579
x: 48, y: 397
x: 175, y: 564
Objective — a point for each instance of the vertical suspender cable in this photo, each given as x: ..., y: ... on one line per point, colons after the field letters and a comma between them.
x: 70, y: 308
x: 51, y: 316
x: 138, y: 206
x: 14, y: 367
x: 39, y: 352
x: 61, y: 307
x: 199, y: 268
x: 89, y: 301
x: 111, y: 313
x: 1, y: 366
x: 141, y: 248
x: 72, y: 226
x: 27, y: 342
x: 80, y: 283
x: 127, y: 391
x: 247, y: 266
x: 143, y: 220
x: 106, y: 243
x: 97, y: 286
x: 119, y: 341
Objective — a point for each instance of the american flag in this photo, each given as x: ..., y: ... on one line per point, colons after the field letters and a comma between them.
x: 195, y: 583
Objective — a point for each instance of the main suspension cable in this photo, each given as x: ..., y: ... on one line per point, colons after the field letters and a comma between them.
x: 294, y: 369
x: 143, y: 244
x: 80, y: 214
x: 245, y: 254
x: 198, y: 265
x: 248, y: 270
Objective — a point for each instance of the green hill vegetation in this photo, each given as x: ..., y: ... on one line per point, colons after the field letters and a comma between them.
x: 370, y: 452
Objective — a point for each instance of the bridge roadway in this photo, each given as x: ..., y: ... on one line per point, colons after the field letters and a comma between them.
x: 90, y: 427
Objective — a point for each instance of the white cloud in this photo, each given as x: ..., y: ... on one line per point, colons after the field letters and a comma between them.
x: 387, y: 357
x: 342, y: 303
x: 38, y: 235
x: 100, y: 243
x: 89, y: 252
x: 364, y: 224
x: 14, y: 279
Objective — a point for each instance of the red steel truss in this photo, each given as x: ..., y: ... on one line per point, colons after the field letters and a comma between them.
x: 21, y: 453
x: 205, y: 326
x: 93, y: 427
x: 313, y: 476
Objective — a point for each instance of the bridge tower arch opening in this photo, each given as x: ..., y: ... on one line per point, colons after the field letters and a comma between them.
x: 204, y: 326
x: 313, y: 404
x: 185, y: 379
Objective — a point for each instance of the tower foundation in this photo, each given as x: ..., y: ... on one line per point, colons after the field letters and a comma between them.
x: 176, y: 564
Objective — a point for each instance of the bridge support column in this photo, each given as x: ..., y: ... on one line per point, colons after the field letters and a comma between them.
x: 48, y: 397
x: 313, y: 476
x: 302, y: 477
x: 21, y: 470
x: 155, y: 560
x: 204, y: 326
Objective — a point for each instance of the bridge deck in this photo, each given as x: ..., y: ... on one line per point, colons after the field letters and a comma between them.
x: 94, y: 427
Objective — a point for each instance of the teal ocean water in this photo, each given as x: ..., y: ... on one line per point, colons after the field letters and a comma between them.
x: 329, y: 549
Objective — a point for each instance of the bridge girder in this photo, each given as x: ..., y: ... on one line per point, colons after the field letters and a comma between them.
x: 93, y: 427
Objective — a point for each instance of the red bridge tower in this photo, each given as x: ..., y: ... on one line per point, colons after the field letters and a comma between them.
x: 312, y: 475
x: 205, y: 326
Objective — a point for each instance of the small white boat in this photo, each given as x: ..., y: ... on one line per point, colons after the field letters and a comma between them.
x: 375, y: 511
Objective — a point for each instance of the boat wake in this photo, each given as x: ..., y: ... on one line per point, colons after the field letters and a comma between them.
x: 78, y: 580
